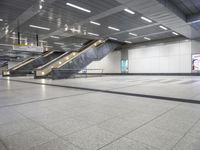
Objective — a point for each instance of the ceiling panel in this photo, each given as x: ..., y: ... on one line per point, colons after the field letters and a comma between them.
x: 188, y: 7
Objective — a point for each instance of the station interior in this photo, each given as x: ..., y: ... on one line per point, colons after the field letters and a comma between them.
x: 99, y: 75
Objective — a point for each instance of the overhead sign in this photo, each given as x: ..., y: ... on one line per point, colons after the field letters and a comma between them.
x: 28, y: 48
x: 196, y: 62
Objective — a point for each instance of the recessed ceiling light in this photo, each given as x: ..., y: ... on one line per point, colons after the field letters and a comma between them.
x: 1, y: 19
x: 146, y: 38
x: 38, y: 27
x: 54, y: 37
x: 40, y: 6
x: 113, y: 38
x: 42, y: 41
x: 15, y: 38
x: 90, y: 33
x: 78, y: 7
x: 129, y: 11
x: 48, y: 46
x: 146, y: 19
x: 132, y: 34
x: 96, y: 23
x: 174, y: 33
x: 128, y: 42
x: 113, y: 28
x: 196, y: 21
x: 162, y: 27
x: 59, y: 43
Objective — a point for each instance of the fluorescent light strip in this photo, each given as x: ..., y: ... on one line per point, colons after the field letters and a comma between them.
x: 90, y: 33
x: 128, y: 42
x: 146, y: 19
x: 113, y: 28
x: 129, y: 11
x: 96, y: 23
x: 113, y: 38
x: 42, y: 41
x: 162, y: 27
x: 174, y: 33
x: 132, y: 34
x: 59, y: 43
x: 54, y: 37
x: 1, y: 19
x: 15, y: 38
x: 38, y: 27
x: 196, y: 21
x: 78, y: 7
x: 146, y: 38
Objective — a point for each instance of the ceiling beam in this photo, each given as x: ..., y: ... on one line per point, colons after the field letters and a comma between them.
x: 149, y: 35
x: 165, y: 13
x: 195, y: 18
x: 25, y: 16
x: 134, y: 29
x: 95, y: 17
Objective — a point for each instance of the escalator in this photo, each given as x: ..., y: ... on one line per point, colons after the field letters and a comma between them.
x: 27, y: 67
x: 72, y: 62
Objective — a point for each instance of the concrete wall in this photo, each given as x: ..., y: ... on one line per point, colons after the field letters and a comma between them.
x: 110, y: 63
x: 168, y: 57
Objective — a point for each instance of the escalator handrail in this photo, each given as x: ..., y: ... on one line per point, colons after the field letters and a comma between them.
x: 63, y: 55
x: 18, y: 65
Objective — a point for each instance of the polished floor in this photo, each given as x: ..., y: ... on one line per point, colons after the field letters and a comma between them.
x: 45, y: 117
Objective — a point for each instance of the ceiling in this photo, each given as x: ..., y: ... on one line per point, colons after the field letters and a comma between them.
x: 62, y: 21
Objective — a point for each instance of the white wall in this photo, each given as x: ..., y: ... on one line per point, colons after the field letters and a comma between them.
x: 173, y: 57
x: 110, y: 63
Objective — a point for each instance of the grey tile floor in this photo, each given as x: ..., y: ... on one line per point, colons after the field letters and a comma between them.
x: 186, y: 87
x: 41, y: 117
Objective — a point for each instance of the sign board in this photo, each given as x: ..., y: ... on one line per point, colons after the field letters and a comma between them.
x: 28, y: 48
x: 196, y: 62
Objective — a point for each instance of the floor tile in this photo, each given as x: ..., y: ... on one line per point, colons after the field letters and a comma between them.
x: 67, y: 126
x: 91, y: 138
x: 16, y: 127
x: 28, y: 139
x: 158, y: 138
x: 188, y: 143
x: 126, y: 144
x: 57, y: 144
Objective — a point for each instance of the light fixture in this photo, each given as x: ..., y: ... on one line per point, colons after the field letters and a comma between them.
x: 78, y: 7
x: 54, y: 37
x: 48, y: 46
x: 42, y: 41
x: 174, y: 33
x: 113, y: 28
x: 162, y: 27
x: 40, y: 6
x: 38, y: 27
x: 90, y: 33
x: 15, y: 38
x: 60, y: 62
x: 129, y: 11
x: 129, y: 42
x: 74, y: 54
x: 95, y: 23
x: 42, y: 73
x: 52, y: 66
x: 113, y: 38
x: 67, y: 58
x: 196, y: 21
x: 132, y: 34
x: 59, y: 43
x: 146, y: 19
x: 146, y: 38
x: 1, y: 19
